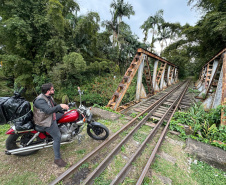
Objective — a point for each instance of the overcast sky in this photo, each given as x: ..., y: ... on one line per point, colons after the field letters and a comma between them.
x: 174, y: 11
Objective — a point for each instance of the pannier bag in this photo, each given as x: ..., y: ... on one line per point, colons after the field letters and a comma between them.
x: 17, y: 110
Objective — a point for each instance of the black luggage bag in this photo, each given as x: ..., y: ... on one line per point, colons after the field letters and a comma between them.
x: 16, y: 110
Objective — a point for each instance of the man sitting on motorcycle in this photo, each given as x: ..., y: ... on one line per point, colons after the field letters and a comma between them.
x: 44, y: 110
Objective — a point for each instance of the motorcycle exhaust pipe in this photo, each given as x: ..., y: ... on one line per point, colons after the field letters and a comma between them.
x: 29, y: 148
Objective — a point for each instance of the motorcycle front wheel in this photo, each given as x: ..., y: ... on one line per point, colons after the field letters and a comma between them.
x: 16, y: 141
x: 98, y: 132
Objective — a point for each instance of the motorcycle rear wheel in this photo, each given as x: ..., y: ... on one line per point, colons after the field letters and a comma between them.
x: 18, y: 140
x: 98, y: 132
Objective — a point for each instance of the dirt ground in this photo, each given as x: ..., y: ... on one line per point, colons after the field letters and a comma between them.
x: 172, y: 165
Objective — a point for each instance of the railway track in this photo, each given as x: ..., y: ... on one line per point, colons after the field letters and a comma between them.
x: 164, y: 108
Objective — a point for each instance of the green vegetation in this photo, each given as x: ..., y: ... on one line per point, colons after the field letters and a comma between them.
x: 83, y: 151
x: 195, y: 91
x: 46, y: 40
x: 206, y: 174
x: 101, y: 180
x: 183, y: 172
x: 4, y: 128
x: 5, y: 90
x: 193, y: 50
x: 204, y: 126
x: 133, y: 115
x: 23, y: 172
x: 85, y: 165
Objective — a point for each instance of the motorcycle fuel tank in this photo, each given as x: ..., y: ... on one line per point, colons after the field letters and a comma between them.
x: 70, y: 116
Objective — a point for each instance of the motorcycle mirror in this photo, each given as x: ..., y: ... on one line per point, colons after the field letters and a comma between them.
x: 79, y: 91
x: 72, y: 104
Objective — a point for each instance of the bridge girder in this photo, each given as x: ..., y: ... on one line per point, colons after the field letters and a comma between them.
x: 164, y: 74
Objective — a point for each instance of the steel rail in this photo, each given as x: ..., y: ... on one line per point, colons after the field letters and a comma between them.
x: 107, y: 142
x: 151, y: 159
x: 122, y: 174
x: 100, y: 168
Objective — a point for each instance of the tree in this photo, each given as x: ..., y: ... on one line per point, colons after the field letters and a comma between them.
x: 121, y: 9
x: 202, y: 41
x: 207, y: 5
x: 32, y: 36
x: 152, y: 23
x: 85, y: 34
x: 168, y: 31
x: 112, y: 26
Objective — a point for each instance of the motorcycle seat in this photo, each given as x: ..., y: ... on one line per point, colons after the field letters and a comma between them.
x: 39, y: 128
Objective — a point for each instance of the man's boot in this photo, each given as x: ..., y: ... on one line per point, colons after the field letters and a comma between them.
x: 60, y: 162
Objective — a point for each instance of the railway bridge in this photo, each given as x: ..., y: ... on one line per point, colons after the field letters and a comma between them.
x: 159, y: 107
x: 160, y: 74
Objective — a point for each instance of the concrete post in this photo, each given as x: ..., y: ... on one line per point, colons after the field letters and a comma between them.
x: 172, y: 77
x: 162, y: 82
x: 218, y: 94
x: 168, y: 73
x: 155, y: 86
x: 175, y: 75
x: 139, y: 79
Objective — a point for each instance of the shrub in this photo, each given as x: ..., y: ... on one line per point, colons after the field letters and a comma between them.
x: 100, y: 89
x: 205, y: 125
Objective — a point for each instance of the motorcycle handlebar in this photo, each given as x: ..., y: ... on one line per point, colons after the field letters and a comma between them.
x: 71, y: 104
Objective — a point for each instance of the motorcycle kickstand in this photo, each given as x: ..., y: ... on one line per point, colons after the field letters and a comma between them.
x: 33, y: 138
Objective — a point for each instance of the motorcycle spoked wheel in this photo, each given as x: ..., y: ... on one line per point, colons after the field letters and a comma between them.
x: 19, y: 140
x: 98, y: 132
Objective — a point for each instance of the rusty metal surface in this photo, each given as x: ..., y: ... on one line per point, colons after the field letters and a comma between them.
x: 217, y: 56
x: 209, y: 78
x: 213, y: 76
x: 223, y: 100
x: 76, y: 166
x: 110, y: 156
x: 160, y: 73
x: 151, y: 159
x: 147, y: 73
x: 208, y: 74
x: 126, y: 81
x: 122, y: 174
x: 152, y: 55
x: 141, y: 56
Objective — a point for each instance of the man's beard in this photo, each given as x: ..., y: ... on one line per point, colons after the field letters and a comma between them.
x: 52, y: 94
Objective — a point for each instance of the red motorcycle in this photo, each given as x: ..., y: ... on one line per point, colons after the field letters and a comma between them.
x: 71, y: 124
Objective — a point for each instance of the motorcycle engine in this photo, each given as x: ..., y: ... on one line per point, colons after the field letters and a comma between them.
x: 67, y: 131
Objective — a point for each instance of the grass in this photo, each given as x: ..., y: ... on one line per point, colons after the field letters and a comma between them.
x: 85, y: 165
x: 24, y: 179
x: 39, y: 168
x: 139, y: 137
x: 206, y: 174
x: 181, y: 172
x: 172, y: 171
x: 101, y: 180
